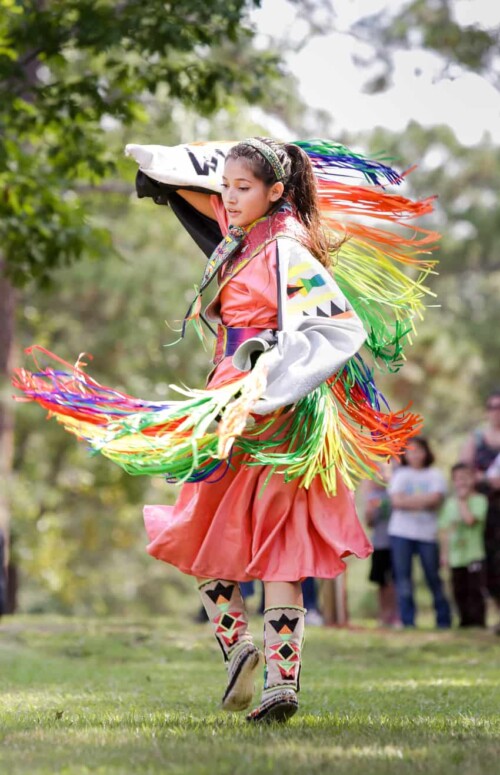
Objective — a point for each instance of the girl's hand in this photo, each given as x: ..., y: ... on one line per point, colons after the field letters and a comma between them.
x: 236, y: 414
x: 465, y: 513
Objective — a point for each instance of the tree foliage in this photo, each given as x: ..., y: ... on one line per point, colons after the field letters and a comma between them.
x: 68, y: 69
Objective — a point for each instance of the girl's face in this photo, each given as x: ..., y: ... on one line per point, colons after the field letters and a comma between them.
x: 244, y: 196
x: 415, y: 455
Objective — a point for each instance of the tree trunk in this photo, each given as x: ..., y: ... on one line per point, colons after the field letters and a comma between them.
x: 7, y: 306
x: 28, y: 67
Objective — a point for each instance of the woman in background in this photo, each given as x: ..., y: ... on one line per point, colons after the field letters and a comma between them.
x: 480, y: 451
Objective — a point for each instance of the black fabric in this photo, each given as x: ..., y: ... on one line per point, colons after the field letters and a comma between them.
x: 484, y: 454
x: 147, y: 187
x: 381, y: 568
x: 492, y: 546
x: 469, y: 594
x: 204, y: 230
x: 3, y: 579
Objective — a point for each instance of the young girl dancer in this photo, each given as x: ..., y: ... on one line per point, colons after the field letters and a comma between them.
x: 272, y: 500
x: 252, y: 524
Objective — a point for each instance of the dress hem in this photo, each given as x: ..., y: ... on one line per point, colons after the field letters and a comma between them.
x: 197, y: 573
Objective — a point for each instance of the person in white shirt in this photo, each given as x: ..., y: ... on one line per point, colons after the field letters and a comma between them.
x: 417, y: 490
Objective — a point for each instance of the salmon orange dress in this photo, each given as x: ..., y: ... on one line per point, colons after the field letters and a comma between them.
x: 250, y: 523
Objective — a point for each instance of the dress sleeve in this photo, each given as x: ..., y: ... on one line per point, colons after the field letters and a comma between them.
x: 318, y: 331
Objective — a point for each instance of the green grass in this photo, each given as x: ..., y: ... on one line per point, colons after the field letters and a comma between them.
x: 141, y: 696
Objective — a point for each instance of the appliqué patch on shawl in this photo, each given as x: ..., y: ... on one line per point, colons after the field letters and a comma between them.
x: 311, y: 292
x: 312, y: 298
x: 304, y: 284
x: 328, y: 310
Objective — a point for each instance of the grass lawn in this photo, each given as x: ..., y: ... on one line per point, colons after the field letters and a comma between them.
x: 140, y: 696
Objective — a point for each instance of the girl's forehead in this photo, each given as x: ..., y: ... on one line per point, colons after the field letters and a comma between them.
x: 238, y: 168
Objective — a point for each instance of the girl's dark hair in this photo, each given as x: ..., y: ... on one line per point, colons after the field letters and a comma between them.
x: 429, y: 455
x: 300, y: 190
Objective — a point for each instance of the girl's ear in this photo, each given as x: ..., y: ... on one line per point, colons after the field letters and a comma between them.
x: 277, y: 191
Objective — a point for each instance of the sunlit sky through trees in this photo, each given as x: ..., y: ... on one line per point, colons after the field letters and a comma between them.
x: 331, y: 78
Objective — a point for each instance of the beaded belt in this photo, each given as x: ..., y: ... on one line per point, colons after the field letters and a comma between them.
x: 229, y: 339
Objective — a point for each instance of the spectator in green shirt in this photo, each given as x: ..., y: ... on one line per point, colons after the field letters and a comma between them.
x: 462, y: 523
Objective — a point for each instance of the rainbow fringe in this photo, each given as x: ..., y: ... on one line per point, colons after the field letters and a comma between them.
x: 343, y: 427
x: 383, y: 272
x: 328, y: 158
x: 338, y: 427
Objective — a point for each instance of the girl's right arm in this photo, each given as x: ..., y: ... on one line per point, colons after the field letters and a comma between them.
x: 188, y: 179
x: 200, y: 202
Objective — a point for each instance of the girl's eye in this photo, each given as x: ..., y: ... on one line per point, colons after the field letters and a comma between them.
x: 241, y: 188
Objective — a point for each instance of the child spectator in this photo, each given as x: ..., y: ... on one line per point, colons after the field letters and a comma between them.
x: 462, y: 522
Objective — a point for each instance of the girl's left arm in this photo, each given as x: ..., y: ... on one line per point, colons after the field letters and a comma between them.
x: 318, y: 330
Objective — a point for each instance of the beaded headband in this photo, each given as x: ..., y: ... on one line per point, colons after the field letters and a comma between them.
x: 269, y: 155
